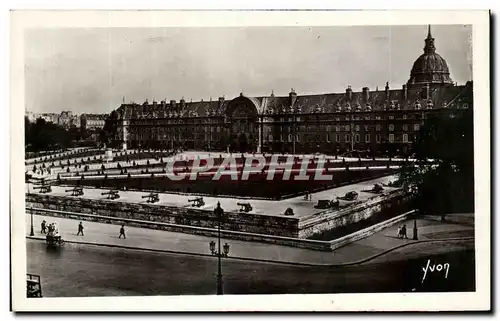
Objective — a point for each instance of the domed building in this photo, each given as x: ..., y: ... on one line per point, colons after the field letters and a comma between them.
x: 373, y: 122
x: 430, y: 67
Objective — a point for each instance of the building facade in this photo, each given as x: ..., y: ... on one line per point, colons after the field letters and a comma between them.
x: 92, y: 122
x: 379, y: 121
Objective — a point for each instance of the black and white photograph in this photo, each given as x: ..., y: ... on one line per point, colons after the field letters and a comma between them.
x: 204, y: 156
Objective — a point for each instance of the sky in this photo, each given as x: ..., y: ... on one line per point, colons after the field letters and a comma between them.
x: 94, y: 70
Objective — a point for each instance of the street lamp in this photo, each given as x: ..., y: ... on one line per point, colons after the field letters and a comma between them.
x: 32, y: 233
x: 415, y: 230
x: 219, y: 212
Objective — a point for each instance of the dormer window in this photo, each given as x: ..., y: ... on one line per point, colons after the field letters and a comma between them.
x: 339, y: 109
x: 368, y: 108
x: 417, y: 105
x: 358, y: 107
x: 392, y: 105
x: 348, y: 107
x: 429, y: 104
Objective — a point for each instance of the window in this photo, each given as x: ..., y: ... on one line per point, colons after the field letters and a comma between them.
x: 328, y: 128
x: 346, y: 117
x: 378, y: 117
x: 297, y: 138
x: 289, y: 137
x: 391, y: 117
x: 347, y: 128
x: 298, y: 119
x: 356, y: 137
x: 337, y: 138
x: 405, y: 138
x: 367, y: 138
x: 367, y: 128
x: 337, y: 118
x: 367, y: 117
x: 327, y: 137
x: 347, y: 138
x: 405, y: 127
x: 281, y: 137
x: 377, y: 137
x: 270, y: 137
x: 337, y: 128
x: 405, y: 116
x: 378, y: 128
x: 416, y: 127
x: 357, y: 128
x: 391, y: 127
x: 391, y: 138
x: 466, y: 106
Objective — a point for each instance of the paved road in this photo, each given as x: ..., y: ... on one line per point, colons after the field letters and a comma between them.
x: 83, y: 270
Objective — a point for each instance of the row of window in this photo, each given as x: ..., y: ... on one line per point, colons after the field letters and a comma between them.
x: 347, y: 138
x: 347, y: 128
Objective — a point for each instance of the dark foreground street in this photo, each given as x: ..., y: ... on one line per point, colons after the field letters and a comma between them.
x: 83, y: 270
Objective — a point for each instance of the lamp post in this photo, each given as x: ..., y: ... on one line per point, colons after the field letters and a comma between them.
x: 219, y: 212
x: 32, y: 233
x: 415, y: 230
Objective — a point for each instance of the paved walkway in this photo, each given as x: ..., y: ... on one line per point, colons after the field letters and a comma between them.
x: 99, y: 233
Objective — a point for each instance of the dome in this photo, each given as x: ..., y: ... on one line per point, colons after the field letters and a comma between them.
x: 430, y: 67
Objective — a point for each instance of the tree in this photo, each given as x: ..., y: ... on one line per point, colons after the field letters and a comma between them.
x: 442, y: 177
x: 108, y: 133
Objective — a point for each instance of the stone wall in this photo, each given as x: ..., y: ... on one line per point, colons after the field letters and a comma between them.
x: 332, y: 218
x: 242, y: 222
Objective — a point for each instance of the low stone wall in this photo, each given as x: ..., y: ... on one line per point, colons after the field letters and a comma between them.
x: 185, y: 216
x: 252, y: 237
x: 287, y: 231
x: 244, y: 236
x: 333, y: 218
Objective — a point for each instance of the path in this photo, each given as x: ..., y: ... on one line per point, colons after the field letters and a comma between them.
x: 99, y: 233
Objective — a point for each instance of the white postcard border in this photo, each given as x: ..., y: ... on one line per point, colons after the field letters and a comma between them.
x: 479, y: 300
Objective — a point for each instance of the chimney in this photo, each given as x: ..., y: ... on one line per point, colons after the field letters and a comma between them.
x: 366, y: 94
x: 183, y: 103
x: 173, y: 105
x: 427, y: 91
x: 221, y: 101
x: 348, y: 93
x: 405, y: 92
x: 292, y: 97
x: 387, y: 91
x: 163, y: 103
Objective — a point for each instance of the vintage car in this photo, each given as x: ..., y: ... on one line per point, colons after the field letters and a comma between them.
x: 33, y: 286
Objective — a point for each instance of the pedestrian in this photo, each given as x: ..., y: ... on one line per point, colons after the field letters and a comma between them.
x: 44, y: 227
x: 403, y: 231
x: 399, y: 232
x: 80, y: 229
x: 122, y: 232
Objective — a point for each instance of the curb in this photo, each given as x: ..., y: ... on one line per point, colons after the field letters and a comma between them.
x: 266, y: 260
